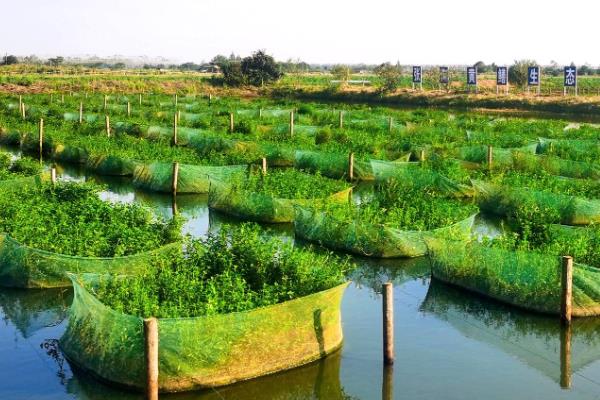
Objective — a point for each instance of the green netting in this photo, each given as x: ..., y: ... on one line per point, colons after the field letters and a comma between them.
x: 25, y: 267
x: 184, y: 135
x: 371, y: 240
x: 555, y: 166
x: 298, y: 129
x: 332, y: 165
x: 411, y: 175
x: 260, y: 207
x: 504, y: 201
x: 158, y: 176
x: 111, y: 165
x: 207, y: 351
x: 534, y: 339
x: 70, y: 154
x: 522, y: 278
x: 500, y: 157
x: 194, y: 117
x: 22, y: 182
x: 278, y: 156
x: 74, y: 117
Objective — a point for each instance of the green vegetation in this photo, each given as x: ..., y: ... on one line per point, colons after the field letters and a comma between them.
x: 71, y: 219
x: 234, y: 270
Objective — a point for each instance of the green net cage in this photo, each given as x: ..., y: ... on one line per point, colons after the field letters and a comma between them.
x: 111, y: 165
x: 158, y: 176
x: 26, y: 267
x: 371, y: 240
x: 202, y: 352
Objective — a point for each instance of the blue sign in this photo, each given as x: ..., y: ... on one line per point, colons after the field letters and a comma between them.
x: 471, y: 75
x: 571, y: 76
x: 444, y: 78
x: 502, y: 76
x: 416, y: 77
x: 533, y: 76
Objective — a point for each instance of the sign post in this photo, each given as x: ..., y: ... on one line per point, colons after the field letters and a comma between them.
x: 533, y: 78
x: 471, y: 78
x: 570, y: 79
x: 444, y: 78
x: 417, y: 77
x: 502, y: 79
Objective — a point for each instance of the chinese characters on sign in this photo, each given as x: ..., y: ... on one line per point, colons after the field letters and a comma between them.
x: 416, y: 74
x: 571, y: 76
x: 502, y: 76
x: 533, y: 76
x: 444, y: 78
x: 471, y: 76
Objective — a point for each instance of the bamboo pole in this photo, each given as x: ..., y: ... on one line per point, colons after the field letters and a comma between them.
x: 388, y: 323
x: 53, y: 175
x: 351, y: 166
x: 41, y: 136
x: 391, y: 124
x: 210, y: 99
x: 20, y: 102
x: 341, y: 119
x: 490, y: 157
x: 128, y: 109
x: 175, y: 129
x: 23, y: 111
x: 264, y: 166
x: 387, y: 388
x: 175, y: 101
x: 107, y: 123
x: 81, y: 112
x: 566, y: 289
x: 105, y: 101
x: 151, y: 355
x: 231, y: 122
x: 140, y: 99
x: 292, y: 123
x: 260, y: 112
x: 422, y: 155
x: 175, y: 177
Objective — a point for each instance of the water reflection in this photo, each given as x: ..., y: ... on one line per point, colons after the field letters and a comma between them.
x: 537, y: 340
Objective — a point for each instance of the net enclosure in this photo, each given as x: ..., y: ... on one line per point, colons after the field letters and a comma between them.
x: 526, y: 279
x: 202, y: 352
x: 371, y: 240
x: 261, y: 207
x: 26, y: 267
x: 158, y: 176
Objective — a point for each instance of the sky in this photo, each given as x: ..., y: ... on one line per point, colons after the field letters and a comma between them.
x: 315, y: 31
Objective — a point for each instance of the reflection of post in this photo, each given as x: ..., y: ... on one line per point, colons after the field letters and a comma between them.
x: 174, y: 205
x: 566, y: 289
x: 565, y: 356
x: 387, y: 387
x: 388, y: 324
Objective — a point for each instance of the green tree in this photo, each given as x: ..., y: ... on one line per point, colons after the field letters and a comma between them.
x: 390, y: 76
x: 517, y: 73
x: 341, y: 72
x: 260, y: 68
x: 56, y: 61
x: 9, y: 60
x: 232, y: 73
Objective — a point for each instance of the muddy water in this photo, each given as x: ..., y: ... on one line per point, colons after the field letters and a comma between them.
x: 450, y: 344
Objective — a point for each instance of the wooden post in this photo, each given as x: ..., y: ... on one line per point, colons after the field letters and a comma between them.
x: 128, y: 109
x: 20, y: 102
x: 62, y: 98
x: 565, y: 356
x: 23, y: 111
x: 490, y: 157
x: 351, y: 166
x: 175, y: 177
x: 422, y: 155
x: 105, y: 101
x: 53, y: 175
x: 151, y: 353
x: 140, y: 99
x: 566, y: 289
x: 41, y: 136
x: 292, y: 123
x: 391, y: 124
x: 107, y: 121
x: 264, y: 166
x: 81, y: 112
x: 175, y: 100
x: 341, y: 119
x: 231, y: 122
x: 260, y: 113
x: 388, y: 323
x: 175, y: 129
x: 210, y: 99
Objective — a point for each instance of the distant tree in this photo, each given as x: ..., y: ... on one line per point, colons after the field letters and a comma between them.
x: 232, y: 73
x: 119, y: 65
x: 260, y: 68
x: 341, y: 72
x: 517, y: 73
x: 9, y: 60
x: 481, y: 67
x: 585, y: 70
x: 219, y: 60
x: 390, y: 76
x: 56, y: 61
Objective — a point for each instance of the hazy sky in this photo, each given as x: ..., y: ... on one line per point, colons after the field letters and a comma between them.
x: 343, y: 31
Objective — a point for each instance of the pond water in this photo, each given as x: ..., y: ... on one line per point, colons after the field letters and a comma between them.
x: 450, y: 344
